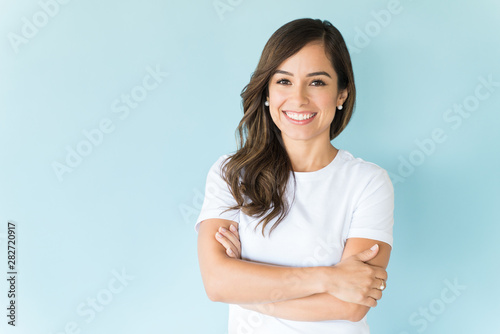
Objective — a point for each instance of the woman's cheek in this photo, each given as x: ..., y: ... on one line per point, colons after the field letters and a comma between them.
x: 275, y: 117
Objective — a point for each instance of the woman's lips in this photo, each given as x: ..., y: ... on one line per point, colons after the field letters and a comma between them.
x: 297, y: 121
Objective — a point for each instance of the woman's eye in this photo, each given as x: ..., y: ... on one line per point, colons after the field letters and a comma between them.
x: 318, y: 83
x: 314, y: 83
x: 283, y: 81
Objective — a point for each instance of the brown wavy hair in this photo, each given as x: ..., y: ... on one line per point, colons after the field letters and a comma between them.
x: 258, y: 173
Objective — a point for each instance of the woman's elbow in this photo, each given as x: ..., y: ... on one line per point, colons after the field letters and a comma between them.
x: 211, y: 289
x: 216, y: 287
x: 212, y: 295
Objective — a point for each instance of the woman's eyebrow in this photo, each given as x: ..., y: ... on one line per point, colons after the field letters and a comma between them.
x: 313, y: 74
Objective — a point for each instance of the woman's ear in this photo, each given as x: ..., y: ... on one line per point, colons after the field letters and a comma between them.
x: 342, y: 97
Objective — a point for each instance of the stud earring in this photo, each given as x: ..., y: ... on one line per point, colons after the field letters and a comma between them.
x: 266, y: 103
x: 340, y: 107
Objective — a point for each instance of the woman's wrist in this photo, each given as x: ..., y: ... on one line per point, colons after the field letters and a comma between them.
x: 326, y: 279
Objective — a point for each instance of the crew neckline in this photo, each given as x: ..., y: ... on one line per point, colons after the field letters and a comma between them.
x: 320, y: 172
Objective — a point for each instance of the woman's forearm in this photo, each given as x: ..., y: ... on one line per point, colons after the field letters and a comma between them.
x: 317, y: 307
x: 237, y: 281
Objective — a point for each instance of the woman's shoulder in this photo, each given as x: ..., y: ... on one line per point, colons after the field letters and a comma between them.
x: 218, y: 165
x: 221, y: 160
x: 358, y: 166
x: 362, y: 174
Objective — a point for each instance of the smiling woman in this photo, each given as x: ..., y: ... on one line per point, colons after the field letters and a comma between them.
x: 323, y: 267
x: 316, y: 92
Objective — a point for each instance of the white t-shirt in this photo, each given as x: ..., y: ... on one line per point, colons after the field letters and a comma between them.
x: 347, y: 198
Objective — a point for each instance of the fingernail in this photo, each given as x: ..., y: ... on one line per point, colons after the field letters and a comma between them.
x: 230, y: 251
x: 222, y: 229
x: 218, y: 235
x: 232, y: 228
x: 374, y: 247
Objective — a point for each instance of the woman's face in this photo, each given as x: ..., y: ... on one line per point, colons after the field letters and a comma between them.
x: 303, y: 95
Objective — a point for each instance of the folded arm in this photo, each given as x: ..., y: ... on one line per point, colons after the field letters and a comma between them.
x: 236, y: 281
x: 319, y: 306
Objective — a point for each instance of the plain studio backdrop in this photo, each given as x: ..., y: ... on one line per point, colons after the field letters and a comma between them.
x: 112, y: 112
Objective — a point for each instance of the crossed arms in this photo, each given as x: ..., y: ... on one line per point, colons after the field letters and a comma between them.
x: 345, y: 291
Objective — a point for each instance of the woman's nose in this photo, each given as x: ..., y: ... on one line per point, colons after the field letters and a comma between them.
x: 299, y: 95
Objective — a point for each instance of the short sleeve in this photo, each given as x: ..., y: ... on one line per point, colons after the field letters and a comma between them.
x: 218, y: 197
x: 373, y: 216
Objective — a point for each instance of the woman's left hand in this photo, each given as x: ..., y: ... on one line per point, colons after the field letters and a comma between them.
x: 230, y: 239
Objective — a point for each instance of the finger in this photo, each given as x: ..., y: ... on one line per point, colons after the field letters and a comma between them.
x: 380, y: 273
x: 379, y: 284
x: 372, y: 302
x: 228, y: 245
x: 230, y: 253
x: 369, y: 301
x: 368, y: 254
x: 231, y: 249
x: 227, y: 234
x: 235, y: 231
x: 234, y: 239
x: 375, y: 294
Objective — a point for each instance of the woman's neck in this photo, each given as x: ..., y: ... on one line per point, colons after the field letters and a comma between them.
x: 307, y: 156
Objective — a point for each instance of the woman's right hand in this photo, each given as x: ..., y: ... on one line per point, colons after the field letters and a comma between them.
x: 355, y: 281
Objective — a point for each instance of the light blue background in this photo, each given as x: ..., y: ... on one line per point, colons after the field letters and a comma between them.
x: 130, y: 204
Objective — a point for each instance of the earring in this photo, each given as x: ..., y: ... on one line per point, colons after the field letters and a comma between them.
x: 340, y: 107
x: 266, y: 103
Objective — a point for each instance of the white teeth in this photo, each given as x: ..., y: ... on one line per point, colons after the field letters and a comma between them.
x: 299, y: 117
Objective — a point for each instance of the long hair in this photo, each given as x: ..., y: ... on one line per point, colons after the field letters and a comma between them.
x: 258, y: 173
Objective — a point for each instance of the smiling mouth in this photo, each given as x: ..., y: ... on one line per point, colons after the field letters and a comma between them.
x: 299, y: 116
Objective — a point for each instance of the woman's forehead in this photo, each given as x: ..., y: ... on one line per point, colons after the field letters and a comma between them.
x: 310, y: 59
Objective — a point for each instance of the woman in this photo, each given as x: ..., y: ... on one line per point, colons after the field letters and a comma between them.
x: 318, y: 263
